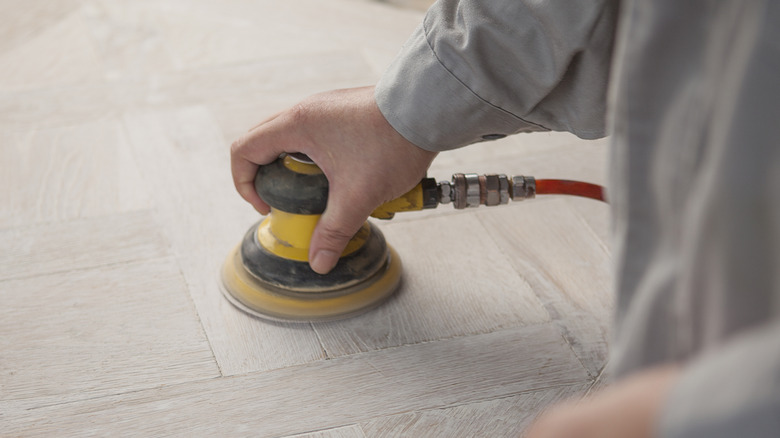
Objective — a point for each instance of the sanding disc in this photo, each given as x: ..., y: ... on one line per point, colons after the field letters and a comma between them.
x: 260, y: 298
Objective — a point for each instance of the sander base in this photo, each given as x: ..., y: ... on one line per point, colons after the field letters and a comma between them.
x: 262, y: 299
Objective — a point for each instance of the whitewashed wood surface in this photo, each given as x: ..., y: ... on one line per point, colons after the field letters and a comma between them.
x: 117, y: 210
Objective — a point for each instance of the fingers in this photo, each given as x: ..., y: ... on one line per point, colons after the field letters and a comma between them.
x: 261, y: 145
x: 244, y: 179
x: 265, y: 121
x: 337, y: 225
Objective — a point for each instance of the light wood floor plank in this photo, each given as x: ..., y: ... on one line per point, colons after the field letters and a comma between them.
x: 568, y: 267
x: 94, y: 332
x: 56, y: 107
x: 69, y: 58
x: 269, y: 29
x: 455, y: 283
x: 23, y: 19
x: 420, y: 5
x: 241, y: 94
x: 127, y: 37
x: 66, y: 173
x: 504, y: 417
x: 78, y: 244
x: 323, y: 394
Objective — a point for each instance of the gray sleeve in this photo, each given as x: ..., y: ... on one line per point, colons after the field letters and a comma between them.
x: 731, y: 392
x: 478, y: 70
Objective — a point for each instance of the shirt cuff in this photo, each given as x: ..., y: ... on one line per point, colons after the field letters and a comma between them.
x: 431, y: 108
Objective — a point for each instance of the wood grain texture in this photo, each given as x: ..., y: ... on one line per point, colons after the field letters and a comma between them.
x: 24, y: 19
x: 80, y: 243
x: 127, y: 37
x: 595, y: 214
x: 504, y: 417
x: 67, y: 173
x: 184, y: 152
x: 326, y: 393
x: 69, y: 58
x: 420, y: 5
x: 268, y: 29
x: 568, y: 267
x: 455, y: 283
x: 352, y: 431
x: 56, y: 107
x: 603, y: 381
x: 241, y: 95
x: 93, y: 332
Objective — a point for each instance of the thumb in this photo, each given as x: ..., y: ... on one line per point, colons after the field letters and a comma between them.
x: 337, y: 225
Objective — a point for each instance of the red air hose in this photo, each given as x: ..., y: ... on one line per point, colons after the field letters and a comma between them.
x: 566, y: 187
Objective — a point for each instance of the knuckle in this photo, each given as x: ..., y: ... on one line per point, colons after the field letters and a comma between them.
x: 237, y: 145
x: 335, y: 236
x: 298, y: 113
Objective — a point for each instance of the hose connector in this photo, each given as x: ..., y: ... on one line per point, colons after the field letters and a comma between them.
x: 469, y: 190
x: 523, y: 187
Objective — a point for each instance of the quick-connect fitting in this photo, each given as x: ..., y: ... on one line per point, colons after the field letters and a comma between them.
x: 469, y: 190
x: 523, y: 187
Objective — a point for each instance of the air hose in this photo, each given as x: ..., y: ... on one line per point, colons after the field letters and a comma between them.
x: 567, y: 187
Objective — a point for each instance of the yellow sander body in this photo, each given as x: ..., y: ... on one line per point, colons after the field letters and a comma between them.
x: 268, y: 274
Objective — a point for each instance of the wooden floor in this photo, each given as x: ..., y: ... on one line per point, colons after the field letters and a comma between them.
x: 117, y: 209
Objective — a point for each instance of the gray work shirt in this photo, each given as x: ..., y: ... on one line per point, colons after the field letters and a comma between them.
x: 691, y: 93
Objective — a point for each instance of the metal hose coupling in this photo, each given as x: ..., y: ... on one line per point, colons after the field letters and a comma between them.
x: 467, y: 190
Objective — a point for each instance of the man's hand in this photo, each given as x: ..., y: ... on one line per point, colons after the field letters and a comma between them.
x: 629, y: 409
x: 366, y: 161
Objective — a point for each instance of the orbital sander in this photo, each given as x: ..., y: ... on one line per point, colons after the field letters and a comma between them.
x: 268, y: 275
